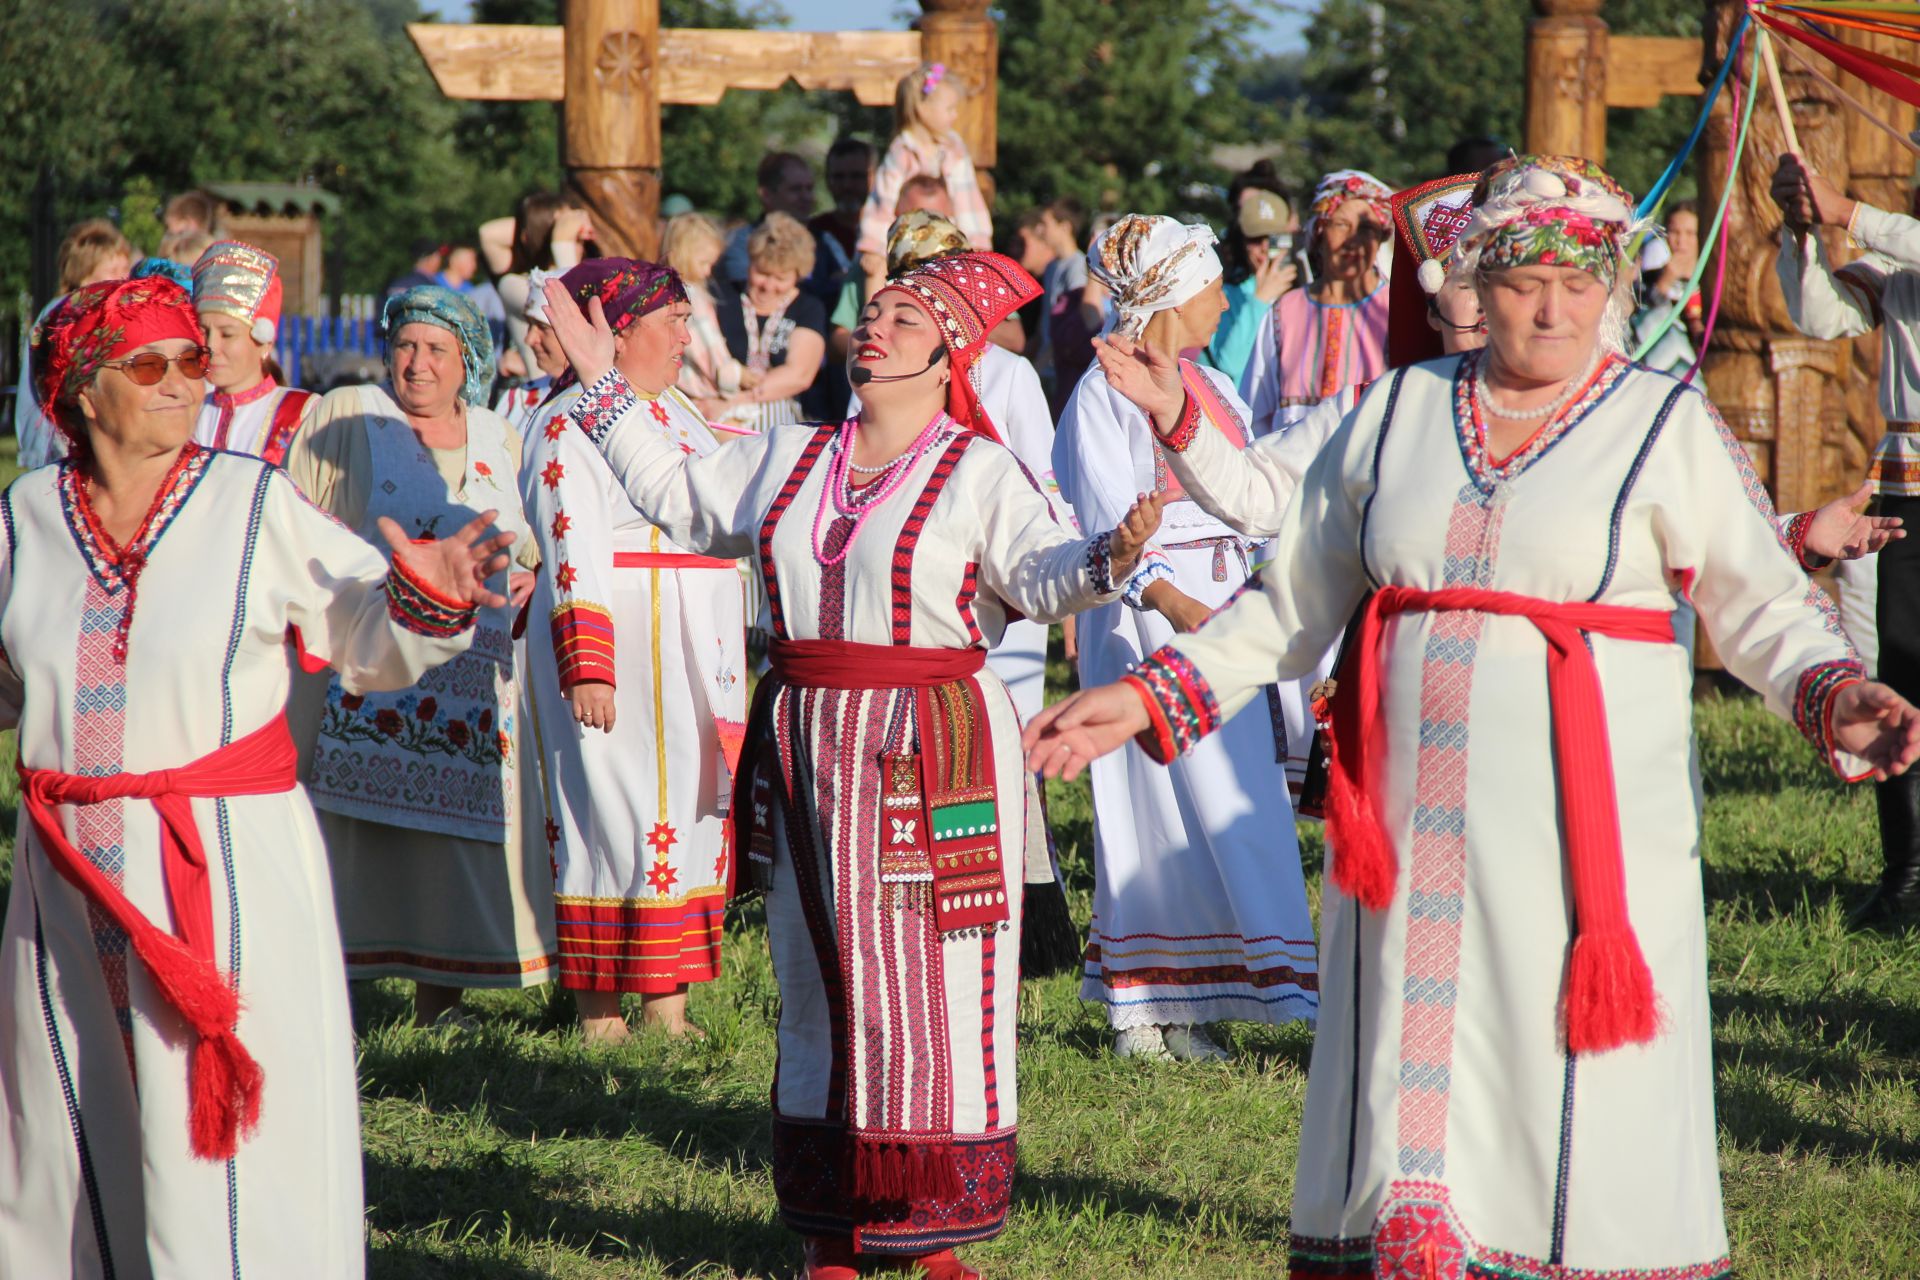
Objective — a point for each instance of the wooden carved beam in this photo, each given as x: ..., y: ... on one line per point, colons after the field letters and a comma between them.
x: 696, y: 65
x: 1641, y: 70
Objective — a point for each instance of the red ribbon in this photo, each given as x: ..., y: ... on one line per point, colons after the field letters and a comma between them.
x: 224, y: 1081
x: 1610, y: 998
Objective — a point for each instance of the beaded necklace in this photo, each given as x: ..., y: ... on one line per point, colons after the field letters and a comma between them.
x: 839, y: 491
x: 1574, y: 387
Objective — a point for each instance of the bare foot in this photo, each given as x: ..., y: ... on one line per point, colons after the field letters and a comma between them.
x: 432, y: 1002
x: 613, y: 1030
x: 668, y: 1012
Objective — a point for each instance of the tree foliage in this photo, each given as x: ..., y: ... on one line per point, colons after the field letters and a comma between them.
x: 1389, y: 85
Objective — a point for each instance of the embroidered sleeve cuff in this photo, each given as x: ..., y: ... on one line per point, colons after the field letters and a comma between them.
x: 1813, y: 712
x: 1189, y: 427
x: 601, y: 405
x: 1181, y: 704
x: 1100, y: 563
x: 1157, y: 739
x: 1153, y: 567
x: 582, y: 643
x: 418, y: 608
x: 1796, y: 529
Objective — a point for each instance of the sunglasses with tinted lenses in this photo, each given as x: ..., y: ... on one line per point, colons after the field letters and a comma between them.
x: 149, y: 367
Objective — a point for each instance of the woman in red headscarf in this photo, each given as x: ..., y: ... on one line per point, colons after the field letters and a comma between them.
x: 881, y: 792
x: 176, y: 1063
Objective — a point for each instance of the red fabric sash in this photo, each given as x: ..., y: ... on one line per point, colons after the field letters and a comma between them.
x: 1610, y: 998
x: 842, y: 664
x: 224, y: 1081
x: 286, y: 421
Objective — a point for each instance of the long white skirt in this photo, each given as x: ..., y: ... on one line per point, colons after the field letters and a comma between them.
x: 1199, y: 906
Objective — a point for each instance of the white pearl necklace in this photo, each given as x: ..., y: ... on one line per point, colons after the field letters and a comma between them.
x: 1549, y: 410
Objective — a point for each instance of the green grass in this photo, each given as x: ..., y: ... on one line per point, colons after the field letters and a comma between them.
x: 515, y: 1151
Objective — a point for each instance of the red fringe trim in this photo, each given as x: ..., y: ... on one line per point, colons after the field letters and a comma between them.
x: 1610, y: 999
x: 1363, y: 863
x: 902, y: 1172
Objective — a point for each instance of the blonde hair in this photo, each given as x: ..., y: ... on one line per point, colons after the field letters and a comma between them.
x: 88, y: 244
x: 685, y: 233
x: 912, y: 91
x: 781, y: 243
x: 185, y: 247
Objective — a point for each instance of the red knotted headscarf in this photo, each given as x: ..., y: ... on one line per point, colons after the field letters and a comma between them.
x: 97, y: 323
x: 967, y: 294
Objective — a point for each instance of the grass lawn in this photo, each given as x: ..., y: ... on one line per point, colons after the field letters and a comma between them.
x: 514, y: 1151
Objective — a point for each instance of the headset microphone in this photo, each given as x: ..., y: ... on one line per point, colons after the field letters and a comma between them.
x: 862, y: 375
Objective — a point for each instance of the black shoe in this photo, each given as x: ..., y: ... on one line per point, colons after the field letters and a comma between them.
x: 1888, y: 908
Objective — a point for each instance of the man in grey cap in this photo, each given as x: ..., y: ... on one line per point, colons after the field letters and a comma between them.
x: 1260, y: 266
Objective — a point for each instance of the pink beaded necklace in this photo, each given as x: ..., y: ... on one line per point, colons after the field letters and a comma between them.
x: 839, y: 491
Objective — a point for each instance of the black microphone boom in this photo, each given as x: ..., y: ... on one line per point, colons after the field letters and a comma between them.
x: 862, y: 375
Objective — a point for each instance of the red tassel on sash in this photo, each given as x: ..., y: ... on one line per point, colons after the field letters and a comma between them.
x: 1609, y: 999
x: 224, y: 1081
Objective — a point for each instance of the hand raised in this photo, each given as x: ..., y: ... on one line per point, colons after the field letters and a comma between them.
x: 1133, y: 533
x: 1066, y: 737
x: 1145, y: 375
x: 458, y: 565
x: 1842, y: 530
x: 1873, y: 722
x: 586, y: 336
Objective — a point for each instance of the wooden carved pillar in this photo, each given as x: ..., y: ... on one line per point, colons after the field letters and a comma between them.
x: 960, y: 35
x: 1782, y: 393
x: 611, y: 124
x: 1566, y: 111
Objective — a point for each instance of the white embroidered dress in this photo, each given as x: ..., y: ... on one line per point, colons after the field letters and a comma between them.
x: 1200, y: 909
x: 893, y: 1033
x: 419, y: 790
x: 1473, y: 1138
x: 96, y: 1178
x: 260, y: 422
x: 638, y: 814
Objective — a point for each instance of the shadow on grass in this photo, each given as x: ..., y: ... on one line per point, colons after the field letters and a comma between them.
x: 487, y: 1198
x: 1762, y: 1121
x: 1772, y: 894
x: 1075, y: 1194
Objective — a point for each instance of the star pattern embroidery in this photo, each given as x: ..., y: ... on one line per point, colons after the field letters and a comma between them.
x: 659, y: 411
x: 553, y: 833
x: 662, y: 838
x: 566, y: 575
x: 556, y: 427
x: 561, y: 523
x: 720, y: 865
x: 551, y: 473
x: 662, y: 877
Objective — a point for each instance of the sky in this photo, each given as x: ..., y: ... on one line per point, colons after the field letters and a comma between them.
x: 1280, y: 32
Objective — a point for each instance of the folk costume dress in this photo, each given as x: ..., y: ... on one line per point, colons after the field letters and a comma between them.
x: 1200, y: 910
x: 883, y: 788
x: 148, y: 687
x: 1010, y: 392
x: 1513, y: 1071
x: 638, y: 814
x: 237, y: 279
x: 420, y: 791
x: 1310, y: 350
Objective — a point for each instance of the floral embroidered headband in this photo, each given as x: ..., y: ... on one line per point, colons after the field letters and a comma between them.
x: 97, y: 323
x: 1552, y: 211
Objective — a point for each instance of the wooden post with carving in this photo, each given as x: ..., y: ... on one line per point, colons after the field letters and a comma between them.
x: 1566, y: 102
x: 611, y: 120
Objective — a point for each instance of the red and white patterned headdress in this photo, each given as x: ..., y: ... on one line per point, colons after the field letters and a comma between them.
x: 967, y: 294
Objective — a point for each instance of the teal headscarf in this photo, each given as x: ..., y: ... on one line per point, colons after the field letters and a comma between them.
x: 431, y: 304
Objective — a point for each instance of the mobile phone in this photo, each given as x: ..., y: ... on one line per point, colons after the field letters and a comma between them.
x: 1279, y: 246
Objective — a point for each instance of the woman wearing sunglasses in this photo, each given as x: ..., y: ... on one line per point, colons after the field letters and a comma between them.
x: 236, y: 290
x: 175, y: 1056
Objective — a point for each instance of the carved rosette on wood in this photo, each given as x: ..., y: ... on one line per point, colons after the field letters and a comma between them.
x: 612, y: 120
x: 960, y: 35
x: 1566, y: 106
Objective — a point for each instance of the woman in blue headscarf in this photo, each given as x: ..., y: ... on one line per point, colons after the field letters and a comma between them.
x: 419, y: 792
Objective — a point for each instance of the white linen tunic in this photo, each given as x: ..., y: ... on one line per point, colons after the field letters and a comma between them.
x: 96, y: 1176
x: 1471, y: 1129
x: 1009, y: 390
x: 253, y: 422
x: 891, y: 1031
x: 636, y: 815
x: 1199, y: 906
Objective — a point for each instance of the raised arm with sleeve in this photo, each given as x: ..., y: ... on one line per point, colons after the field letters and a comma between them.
x: 1030, y: 560
x: 1282, y: 628
x: 1821, y: 302
x: 698, y: 501
x: 378, y: 626
x: 1248, y: 489
x: 1099, y: 475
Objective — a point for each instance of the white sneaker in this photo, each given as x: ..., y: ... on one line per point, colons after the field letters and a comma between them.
x: 1141, y: 1042
x: 1192, y: 1044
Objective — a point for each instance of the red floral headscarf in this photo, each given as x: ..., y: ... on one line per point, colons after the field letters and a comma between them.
x: 967, y: 294
x: 97, y: 323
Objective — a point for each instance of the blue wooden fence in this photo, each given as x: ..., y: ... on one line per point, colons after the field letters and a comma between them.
x: 303, y: 336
